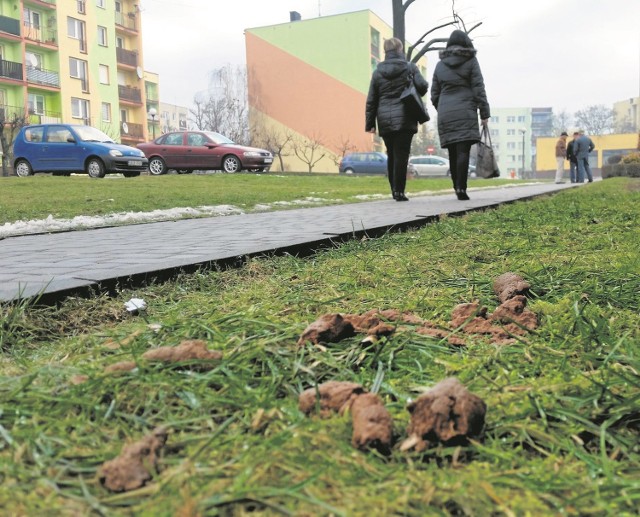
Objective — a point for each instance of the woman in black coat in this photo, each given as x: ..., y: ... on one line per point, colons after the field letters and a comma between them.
x: 395, y: 125
x: 457, y: 94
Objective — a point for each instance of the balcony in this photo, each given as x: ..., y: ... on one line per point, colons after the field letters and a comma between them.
x: 131, y: 131
x: 39, y: 34
x: 127, y: 57
x: 43, y: 77
x: 10, y: 25
x: 46, y: 117
x: 11, y: 70
x: 126, y: 21
x: 51, y: 4
x: 10, y: 113
x: 130, y: 94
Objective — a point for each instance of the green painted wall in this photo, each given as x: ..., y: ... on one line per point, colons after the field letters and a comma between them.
x: 337, y: 45
x: 100, y: 55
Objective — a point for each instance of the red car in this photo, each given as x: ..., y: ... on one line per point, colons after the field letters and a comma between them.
x: 188, y: 151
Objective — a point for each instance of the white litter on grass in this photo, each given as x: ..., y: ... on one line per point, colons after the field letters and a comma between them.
x: 135, y: 305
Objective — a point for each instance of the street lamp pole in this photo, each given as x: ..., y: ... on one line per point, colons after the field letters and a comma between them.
x: 523, y: 131
x: 152, y: 114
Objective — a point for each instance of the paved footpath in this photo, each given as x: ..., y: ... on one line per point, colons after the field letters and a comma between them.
x: 62, y: 263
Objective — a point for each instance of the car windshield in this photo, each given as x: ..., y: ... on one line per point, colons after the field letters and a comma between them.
x: 91, y: 134
x: 217, y: 138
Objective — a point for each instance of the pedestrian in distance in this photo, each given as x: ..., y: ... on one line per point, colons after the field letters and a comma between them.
x: 458, y: 93
x: 561, y: 155
x: 573, y: 161
x: 395, y: 124
x: 582, y: 146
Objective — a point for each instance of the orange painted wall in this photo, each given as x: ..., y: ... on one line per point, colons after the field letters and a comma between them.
x: 303, y: 98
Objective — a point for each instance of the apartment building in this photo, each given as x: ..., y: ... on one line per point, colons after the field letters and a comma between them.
x: 173, y: 117
x: 309, y: 79
x: 74, y: 61
x: 627, y: 114
x: 514, y: 133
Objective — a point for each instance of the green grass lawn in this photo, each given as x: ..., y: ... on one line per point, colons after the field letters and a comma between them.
x: 65, y: 197
x: 563, y: 419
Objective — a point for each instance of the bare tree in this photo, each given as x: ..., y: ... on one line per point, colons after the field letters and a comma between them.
x: 399, y: 15
x: 309, y: 150
x: 272, y: 139
x: 10, y: 124
x: 561, y: 122
x: 596, y: 119
x: 343, y: 146
x: 224, y: 108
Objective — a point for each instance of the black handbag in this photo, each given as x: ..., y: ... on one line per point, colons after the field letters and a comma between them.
x: 413, y: 102
x: 486, y: 163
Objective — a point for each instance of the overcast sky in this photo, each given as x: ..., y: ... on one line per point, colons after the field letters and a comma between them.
x: 567, y: 54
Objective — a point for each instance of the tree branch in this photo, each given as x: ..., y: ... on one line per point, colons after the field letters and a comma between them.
x: 413, y: 47
x: 428, y: 48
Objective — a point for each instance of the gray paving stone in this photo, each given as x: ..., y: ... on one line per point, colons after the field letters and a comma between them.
x: 63, y: 261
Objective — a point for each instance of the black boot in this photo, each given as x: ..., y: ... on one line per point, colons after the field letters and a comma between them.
x: 395, y: 195
x: 401, y: 197
x: 462, y: 195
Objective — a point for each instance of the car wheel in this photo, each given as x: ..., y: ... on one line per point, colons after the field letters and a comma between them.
x: 231, y: 164
x: 348, y: 171
x: 23, y: 168
x: 157, y: 166
x: 95, y: 168
x: 132, y: 174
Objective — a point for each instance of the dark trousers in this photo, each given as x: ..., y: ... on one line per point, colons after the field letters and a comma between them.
x: 573, y: 171
x: 398, y: 148
x: 459, y: 164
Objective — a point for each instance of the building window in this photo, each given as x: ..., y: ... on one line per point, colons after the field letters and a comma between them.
x: 495, y: 120
x: 511, y: 132
x: 119, y: 42
x: 512, y: 157
x: 123, y: 115
x: 511, y: 145
x: 106, y: 112
x: 31, y: 18
x: 75, y: 30
x: 494, y: 132
x: 104, y: 74
x: 511, y: 118
x: 102, y: 36
x: 80, y: 109
x: 36, y: 104
x: 375, y: 43
x: 82, y: 8
x: 521, y: 118
x: 100, y: 3
x: 78, y: 70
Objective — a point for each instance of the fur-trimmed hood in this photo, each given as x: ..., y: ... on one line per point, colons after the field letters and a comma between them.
x: 454, y: 56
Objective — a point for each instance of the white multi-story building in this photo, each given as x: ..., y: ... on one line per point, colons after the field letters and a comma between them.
x: 513, y: 133
x: 173, y: 118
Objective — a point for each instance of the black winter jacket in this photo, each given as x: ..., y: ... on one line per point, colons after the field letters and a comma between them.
x: 458, y: 93
x: 383, y: 102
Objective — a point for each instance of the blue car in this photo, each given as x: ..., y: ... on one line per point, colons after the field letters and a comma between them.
x: 66, y: 148
x: 364, y: 163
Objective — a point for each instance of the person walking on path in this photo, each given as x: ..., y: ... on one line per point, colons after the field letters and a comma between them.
x: 395, y: 125
x: 573, y: 162
x: 582, y: 146
x: 561, y: 155
x: 457, y: 92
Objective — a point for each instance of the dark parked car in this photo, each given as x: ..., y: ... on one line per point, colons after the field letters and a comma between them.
x: 368, y: 163
x: 66, y: 148
x: 188, y: 151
